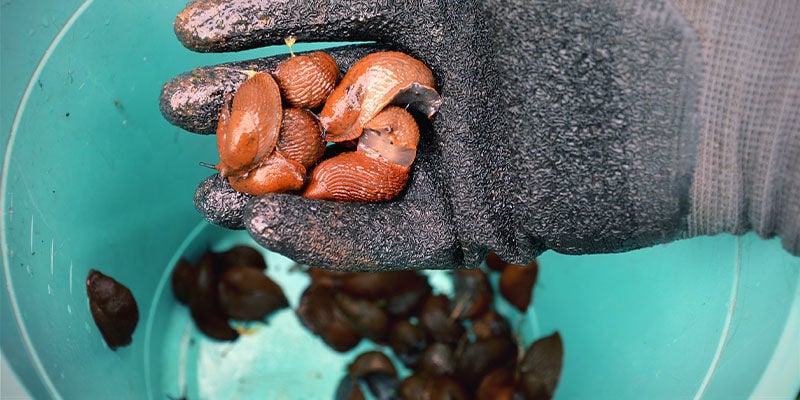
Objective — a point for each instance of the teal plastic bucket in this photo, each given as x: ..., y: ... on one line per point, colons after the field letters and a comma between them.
x: 94, y: 177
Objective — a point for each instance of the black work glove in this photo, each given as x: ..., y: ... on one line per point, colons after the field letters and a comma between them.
x: 576, y: 126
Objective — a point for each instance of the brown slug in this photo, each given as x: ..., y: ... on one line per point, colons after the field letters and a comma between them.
x: 473, y: 293
x: 412, y: 387
x: 407, y: 340
x: 372, y: 83
x: 489, y: 325
x: 355, y: 176
x: 300, y: 137
x: 299, y: 146
x: 183, y: 277
x: 378, y: 170
x: 435, y: 318
x: 496, y: 385
x: 392, y: 135
x: 245, y: 293
x: 349, y: 389
x: 113, y: 308
x: 366, y: 317
x: 409, y: 297
x: 208, y: 315
x: 517, y: 282
x: 306, y: 80
x: 323, y: 317
x: 540, y: 368
x: 376, y: 370
x: 274, y: 174
x: 241, y: 255
x: 476, y: 359
x: 437, y: 359
x: 371, y: 362
x: 377, y: 285
x: 248, y: 127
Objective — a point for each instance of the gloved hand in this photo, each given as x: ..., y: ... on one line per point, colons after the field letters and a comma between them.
x: 579, y: 126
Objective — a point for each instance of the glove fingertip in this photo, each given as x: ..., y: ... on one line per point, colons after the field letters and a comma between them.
x: 218, y: 203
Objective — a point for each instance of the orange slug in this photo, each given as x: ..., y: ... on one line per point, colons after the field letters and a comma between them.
x: 248, y: 129
x: 372, y: 83
x: 275, y: 174
x: 355, y: 176
x: 300, y: 138
x: 378, y: 170
x: 306, y: 80
x: 393, y: 135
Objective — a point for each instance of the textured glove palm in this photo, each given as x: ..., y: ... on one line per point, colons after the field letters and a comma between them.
x: 570, y: 126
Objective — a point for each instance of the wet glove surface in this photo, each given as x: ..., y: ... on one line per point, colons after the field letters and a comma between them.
x: 569, y: 126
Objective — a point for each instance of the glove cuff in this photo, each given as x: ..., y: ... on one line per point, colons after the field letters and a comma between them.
x: 747, y: 175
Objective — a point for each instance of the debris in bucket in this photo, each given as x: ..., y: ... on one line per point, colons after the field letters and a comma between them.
x: 113, y: 308
x: 282, y: 152
x: 225, y: 286
x: 456, y: 347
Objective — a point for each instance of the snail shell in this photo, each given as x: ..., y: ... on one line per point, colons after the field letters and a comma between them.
x: 301, y: 137
x: 370, y: 85
x: 248, y: 130
x: 307, y: 80
x: 275, y: 174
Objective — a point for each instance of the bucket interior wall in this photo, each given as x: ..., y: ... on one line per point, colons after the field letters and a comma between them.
x: 95, y: 178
